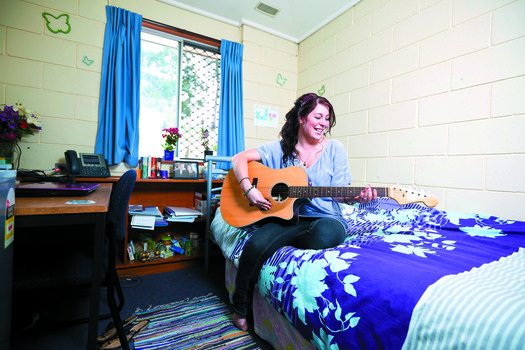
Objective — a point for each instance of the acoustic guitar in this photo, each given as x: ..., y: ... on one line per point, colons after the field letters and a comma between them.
x: 283, y: 186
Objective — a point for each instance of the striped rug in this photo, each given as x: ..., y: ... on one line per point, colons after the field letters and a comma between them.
x: 201, y: 323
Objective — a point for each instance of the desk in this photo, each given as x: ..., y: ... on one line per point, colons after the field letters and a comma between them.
x: 52, y: 211
x: 160, y: 193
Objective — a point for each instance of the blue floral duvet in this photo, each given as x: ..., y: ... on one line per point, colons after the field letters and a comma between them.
x: 362, y: 294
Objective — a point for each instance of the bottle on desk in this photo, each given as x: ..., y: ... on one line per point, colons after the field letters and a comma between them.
x: 188, y: 247
x: 166, y: 240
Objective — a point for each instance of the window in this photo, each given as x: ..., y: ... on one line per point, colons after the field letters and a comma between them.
x: 180, y: 87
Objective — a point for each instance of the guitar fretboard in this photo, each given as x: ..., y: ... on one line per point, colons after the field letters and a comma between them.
x: 322, y: 191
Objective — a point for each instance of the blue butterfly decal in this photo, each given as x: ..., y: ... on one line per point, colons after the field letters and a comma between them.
x: 87, y: 61
x: 280, y: 80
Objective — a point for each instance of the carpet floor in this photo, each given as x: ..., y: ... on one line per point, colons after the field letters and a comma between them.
x: 140, y: 293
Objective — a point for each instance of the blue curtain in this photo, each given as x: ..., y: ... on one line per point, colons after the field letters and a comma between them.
x: 231, y: 124
x: 118, y: 113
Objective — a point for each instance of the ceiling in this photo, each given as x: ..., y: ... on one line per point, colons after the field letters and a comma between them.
x: 295, y: 21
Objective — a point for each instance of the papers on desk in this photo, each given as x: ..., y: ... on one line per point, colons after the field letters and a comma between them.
x: 181, y: 214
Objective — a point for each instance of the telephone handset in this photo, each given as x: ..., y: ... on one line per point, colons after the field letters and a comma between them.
x: 87, y: 165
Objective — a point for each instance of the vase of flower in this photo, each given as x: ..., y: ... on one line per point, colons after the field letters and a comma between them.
x: 171, y: 136
x: 169, y: 155
x: 208, y: 153
x: 15, y: 122
x: 205, y: 141
x: 6, y: 149
x: 6, y: 152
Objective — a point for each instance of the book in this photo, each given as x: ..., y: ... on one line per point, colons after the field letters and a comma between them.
x: 135, y: 208
x: 149, y: 167
x: 182, y: 218
x: 153, y: 161
x: 181, y: 211
x: 160, y: 221
x: 145, y: 222
x: 146, y: 211
x: 144, y: 167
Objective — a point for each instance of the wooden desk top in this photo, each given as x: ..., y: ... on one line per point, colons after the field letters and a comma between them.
x: 57, y: 205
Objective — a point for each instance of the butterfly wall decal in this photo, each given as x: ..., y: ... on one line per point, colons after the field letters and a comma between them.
x: 280, y: 80
x: 87, y: 61
x: 321, y: 91
x: 58, y: 24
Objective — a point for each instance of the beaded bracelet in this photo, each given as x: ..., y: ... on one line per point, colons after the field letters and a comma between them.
x: 244, y: 178
x: 248, y: 190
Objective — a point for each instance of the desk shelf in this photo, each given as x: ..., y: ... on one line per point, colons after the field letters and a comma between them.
x: 160, y: 193
x: 175, y: 262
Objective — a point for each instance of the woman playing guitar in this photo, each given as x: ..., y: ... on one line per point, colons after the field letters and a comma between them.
x: 321, y: 224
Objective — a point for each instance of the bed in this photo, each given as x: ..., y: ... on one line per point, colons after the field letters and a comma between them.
x: 406, y: 277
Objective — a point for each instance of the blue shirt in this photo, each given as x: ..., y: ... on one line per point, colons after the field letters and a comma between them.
x: 330, y: 169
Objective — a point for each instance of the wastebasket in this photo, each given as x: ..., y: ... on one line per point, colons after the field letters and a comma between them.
x: 7, y: 223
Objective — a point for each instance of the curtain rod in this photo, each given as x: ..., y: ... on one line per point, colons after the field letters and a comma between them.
x: 148, y: 23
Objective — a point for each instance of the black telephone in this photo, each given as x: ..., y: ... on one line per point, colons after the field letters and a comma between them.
x: 88, y: 165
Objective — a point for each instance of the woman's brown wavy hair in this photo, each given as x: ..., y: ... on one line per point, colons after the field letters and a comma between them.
x: 290, y: 130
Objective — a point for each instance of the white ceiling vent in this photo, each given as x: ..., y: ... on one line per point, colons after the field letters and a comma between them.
x: 267, y: 9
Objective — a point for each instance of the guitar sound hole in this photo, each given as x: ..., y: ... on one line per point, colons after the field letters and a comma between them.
x: 280, y: 192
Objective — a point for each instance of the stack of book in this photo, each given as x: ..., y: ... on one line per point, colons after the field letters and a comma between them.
x: 181, y: 214
x: 145, y: 217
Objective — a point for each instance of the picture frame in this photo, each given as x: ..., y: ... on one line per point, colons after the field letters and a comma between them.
x: 185, y: 169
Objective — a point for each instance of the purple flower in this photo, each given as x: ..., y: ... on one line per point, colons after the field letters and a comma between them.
x: 17, y: 123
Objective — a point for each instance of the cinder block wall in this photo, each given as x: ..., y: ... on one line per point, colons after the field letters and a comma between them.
x: 429, y: 94
x: 265, y: 57
x: 46, y: 71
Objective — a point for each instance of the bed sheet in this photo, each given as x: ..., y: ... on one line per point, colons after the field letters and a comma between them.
x: 485, y: 305
x: 362, y: 293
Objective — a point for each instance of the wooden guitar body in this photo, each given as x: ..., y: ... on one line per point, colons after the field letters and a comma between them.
x: 236, y: 209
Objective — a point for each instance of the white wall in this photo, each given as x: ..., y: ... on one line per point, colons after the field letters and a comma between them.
x: 431, y: 94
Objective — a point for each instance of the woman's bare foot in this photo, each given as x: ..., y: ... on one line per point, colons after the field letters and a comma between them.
x: 240, y: 322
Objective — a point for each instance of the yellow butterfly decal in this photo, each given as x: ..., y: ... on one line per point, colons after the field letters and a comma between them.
x: 58, y: 24
x: 87, y: 61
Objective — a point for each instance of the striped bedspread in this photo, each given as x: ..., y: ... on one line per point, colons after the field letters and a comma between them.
x: 480, y: 309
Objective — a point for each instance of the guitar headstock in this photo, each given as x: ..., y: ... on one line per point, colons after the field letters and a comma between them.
x: 408, y: 195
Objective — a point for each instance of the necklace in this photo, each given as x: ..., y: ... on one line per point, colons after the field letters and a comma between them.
x: 311, y: 152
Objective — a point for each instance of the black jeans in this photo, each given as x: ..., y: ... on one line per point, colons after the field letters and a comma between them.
x: 307, y: 233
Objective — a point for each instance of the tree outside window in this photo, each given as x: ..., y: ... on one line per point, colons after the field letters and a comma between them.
x: 172, y: 71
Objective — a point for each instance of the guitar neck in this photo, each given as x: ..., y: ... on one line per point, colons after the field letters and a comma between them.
x: 322, y: 191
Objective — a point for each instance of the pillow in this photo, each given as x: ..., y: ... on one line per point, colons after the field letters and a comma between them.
x: 225, y: 235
